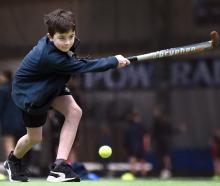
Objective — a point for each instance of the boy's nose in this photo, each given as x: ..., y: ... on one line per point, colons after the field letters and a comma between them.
x: 67, y: 42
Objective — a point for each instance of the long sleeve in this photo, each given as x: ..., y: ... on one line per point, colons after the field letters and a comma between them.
x: 61, y: 63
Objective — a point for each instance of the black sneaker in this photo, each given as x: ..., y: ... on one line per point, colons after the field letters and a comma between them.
x: 15, y: 171
x: 62, y: 173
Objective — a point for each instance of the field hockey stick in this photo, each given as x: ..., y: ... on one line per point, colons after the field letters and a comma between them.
x: 188, y: 49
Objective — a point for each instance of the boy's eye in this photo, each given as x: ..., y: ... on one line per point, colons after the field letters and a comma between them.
x: 72, y: 36
x: 61, y: 38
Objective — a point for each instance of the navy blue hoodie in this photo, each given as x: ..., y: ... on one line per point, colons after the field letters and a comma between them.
x: 44, y: 72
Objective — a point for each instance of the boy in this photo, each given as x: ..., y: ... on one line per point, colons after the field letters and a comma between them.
x: 40, y: 83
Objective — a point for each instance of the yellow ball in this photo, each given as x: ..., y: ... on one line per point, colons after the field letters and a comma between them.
x: 105, y: 151
x: 127, y: 176
x: 2, y: 177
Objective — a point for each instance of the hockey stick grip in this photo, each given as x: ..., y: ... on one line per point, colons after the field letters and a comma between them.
x: 132, y: 59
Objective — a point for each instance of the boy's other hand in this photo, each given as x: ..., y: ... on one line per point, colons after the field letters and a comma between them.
x: 122, y: 61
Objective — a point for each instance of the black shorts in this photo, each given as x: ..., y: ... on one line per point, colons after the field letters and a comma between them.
x: 33, y: 121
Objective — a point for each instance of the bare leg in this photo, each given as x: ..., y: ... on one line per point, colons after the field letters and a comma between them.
x: 8, y: 143
x: 72, y: 112
x: 217, y: 166
x: 133, y: 163
x: 26, y: 142
x: 142, y: 168
x: 167, y: 162
x: 166, y: 172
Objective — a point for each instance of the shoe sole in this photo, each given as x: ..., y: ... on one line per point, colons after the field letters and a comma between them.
x: 7, y: 168
x: 60, y: 177
x: 54, y: 179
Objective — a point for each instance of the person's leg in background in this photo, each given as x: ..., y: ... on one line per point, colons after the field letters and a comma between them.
x: 8, y: 143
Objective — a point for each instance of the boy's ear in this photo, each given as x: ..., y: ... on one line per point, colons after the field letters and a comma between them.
x: 49, y: 36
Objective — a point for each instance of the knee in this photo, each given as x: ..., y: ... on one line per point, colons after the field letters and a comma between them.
x: 33, y: 140
x: 75, y: 112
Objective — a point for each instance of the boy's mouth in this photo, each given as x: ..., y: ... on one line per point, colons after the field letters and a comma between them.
x: 65, y: 49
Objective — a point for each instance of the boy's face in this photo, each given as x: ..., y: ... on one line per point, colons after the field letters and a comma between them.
x: 63, y: 41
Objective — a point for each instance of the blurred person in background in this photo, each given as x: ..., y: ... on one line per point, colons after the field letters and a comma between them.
x: 162, y: 134
x: 10, y: 116
x: 137, y: 144
x: 162, y: 138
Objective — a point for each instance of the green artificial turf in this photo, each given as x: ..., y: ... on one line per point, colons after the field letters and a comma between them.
x: 118, y: 182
